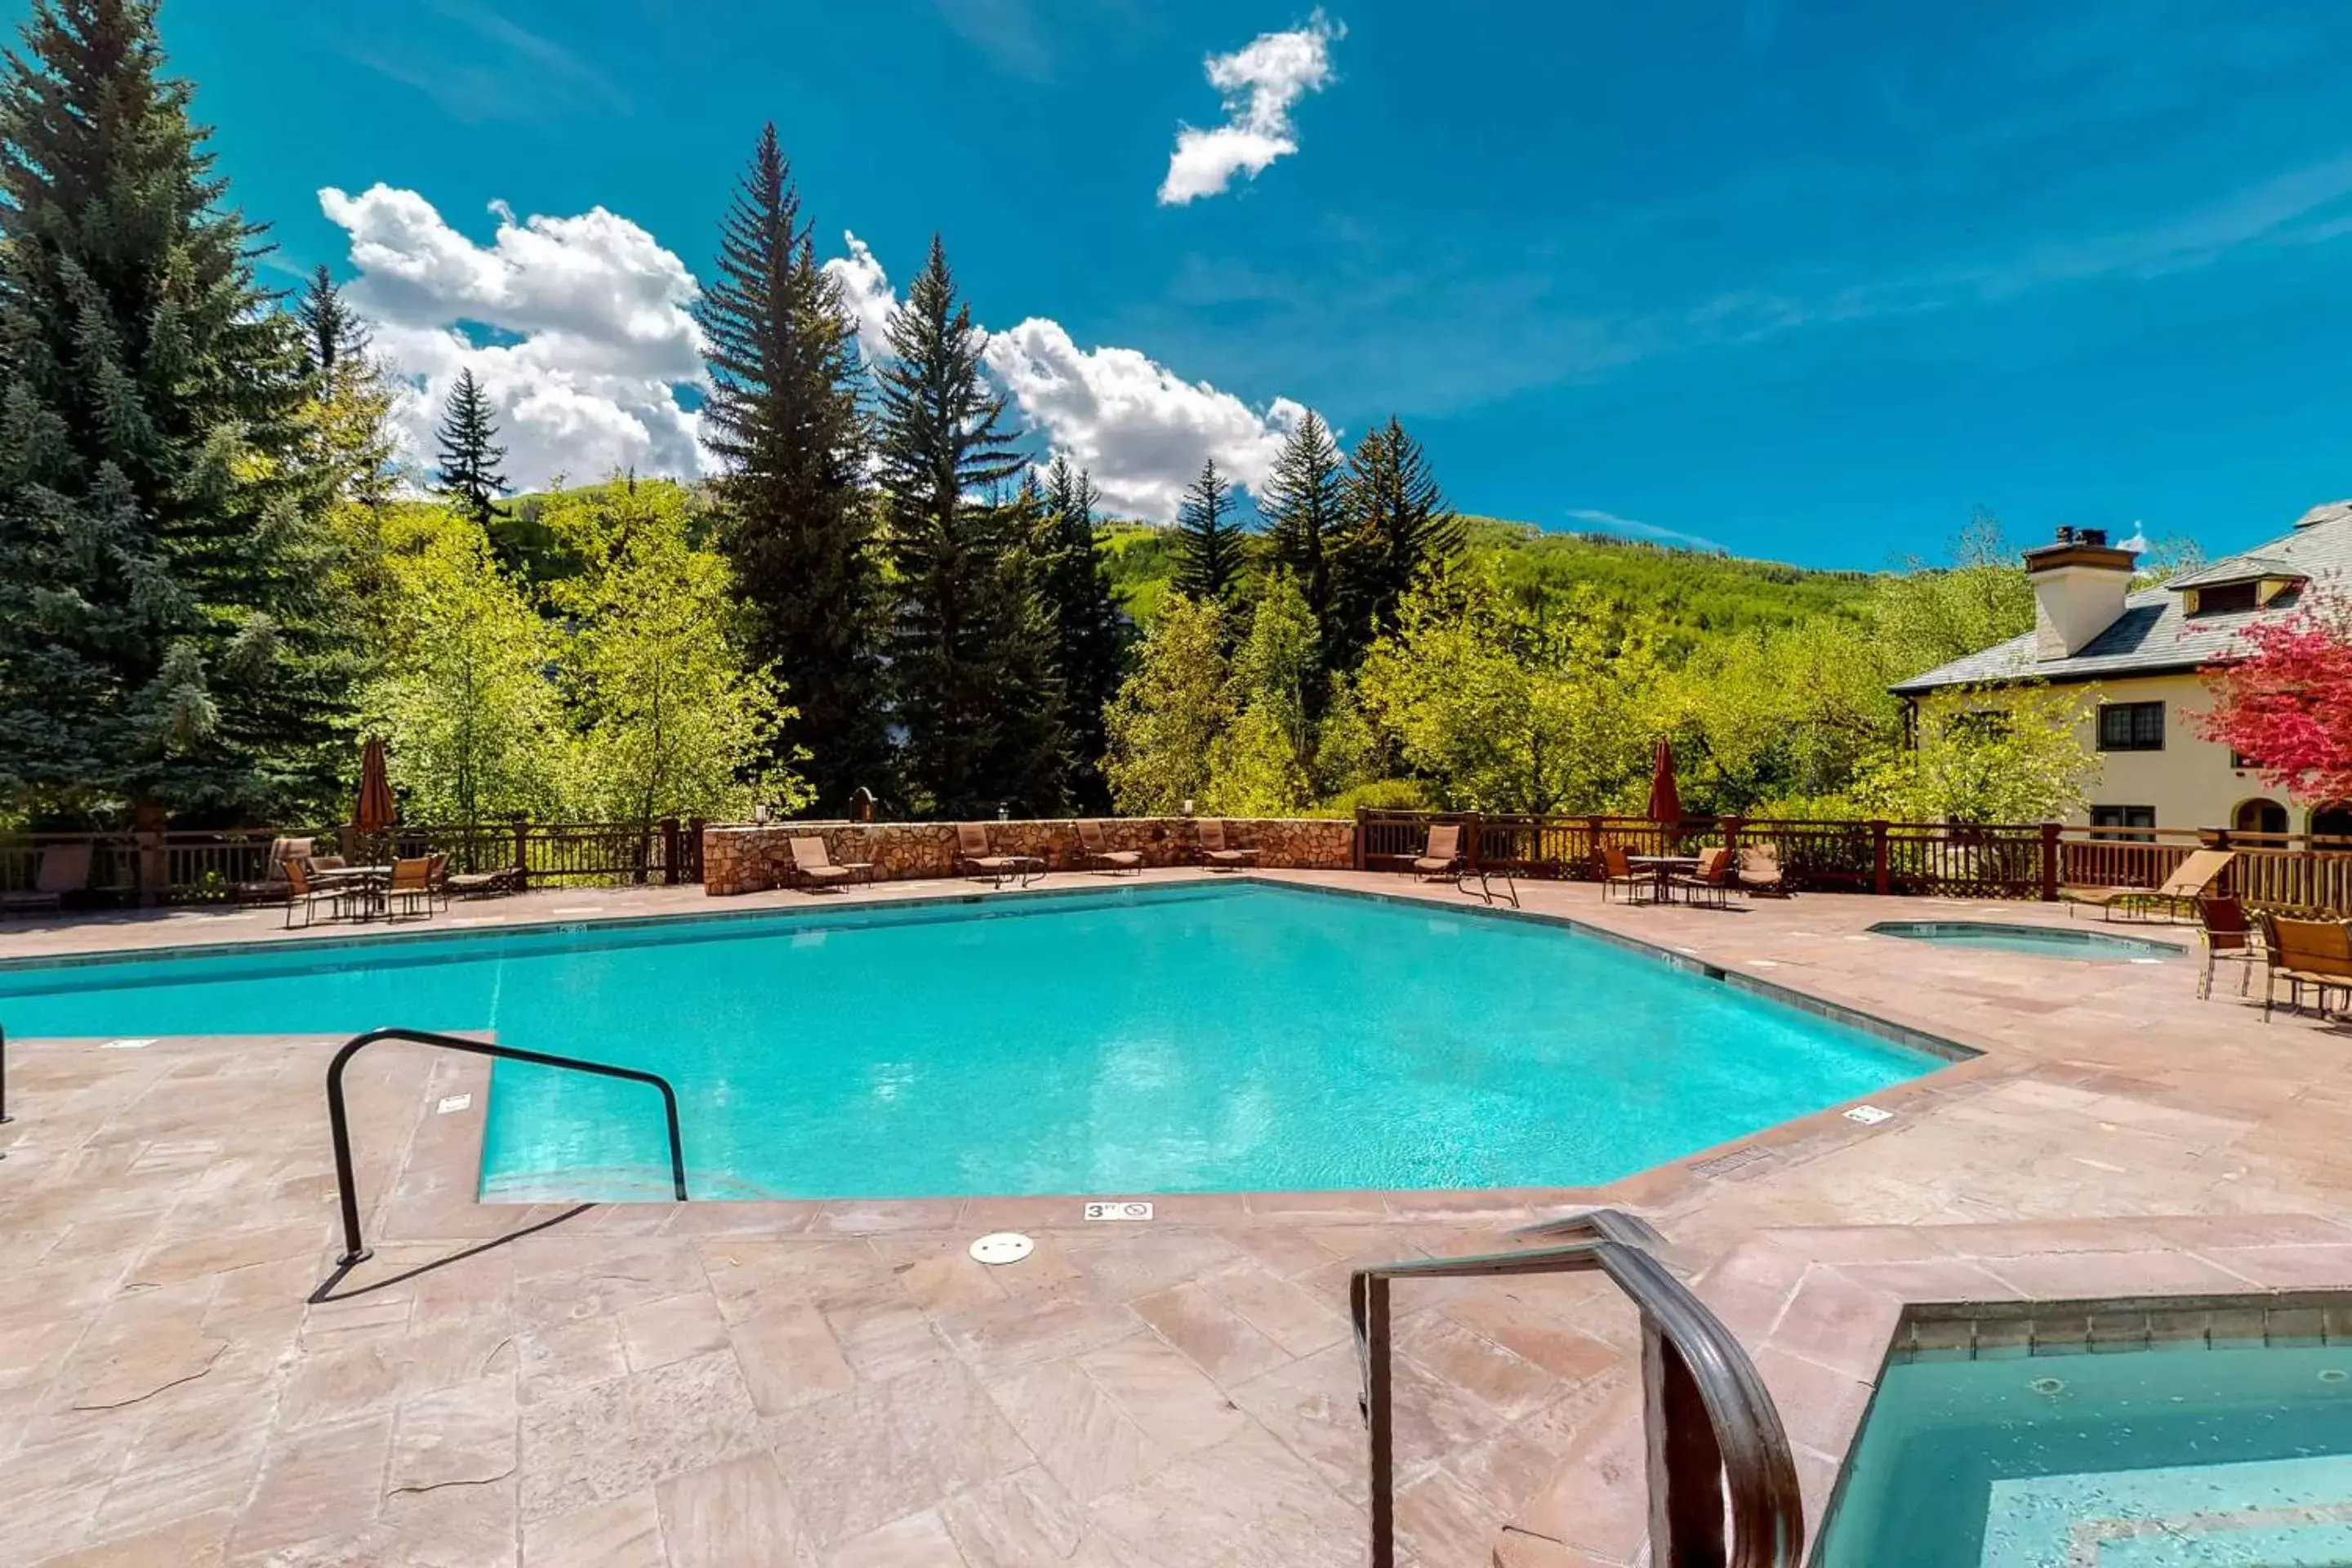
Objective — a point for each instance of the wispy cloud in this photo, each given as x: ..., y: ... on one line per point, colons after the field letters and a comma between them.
x: 1260, y: 82
x: 1006, y: 31
x: 1610, y: 522
x: 476, y: 92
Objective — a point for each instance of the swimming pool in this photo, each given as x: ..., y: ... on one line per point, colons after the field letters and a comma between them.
x: 2042, y: 941
x: 1230, y: 1037
x: 2197, y: 1453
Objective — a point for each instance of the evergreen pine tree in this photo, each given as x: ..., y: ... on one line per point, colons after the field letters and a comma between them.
x: 470, y: 457
x: 163, y: 641
x: 783, y: 413
x: 971, y: 649
x: 331, y: 330
x: 1208, y: 543
x: 1089, y: 634
x: 1397, y: 523
x: 1305, y: 515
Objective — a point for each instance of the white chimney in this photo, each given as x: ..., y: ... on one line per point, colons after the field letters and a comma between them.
x: 2079, y: 584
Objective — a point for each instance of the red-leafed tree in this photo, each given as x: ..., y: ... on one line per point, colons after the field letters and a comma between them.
x: 2286, y: 705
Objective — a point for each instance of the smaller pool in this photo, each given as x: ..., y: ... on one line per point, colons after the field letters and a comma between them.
x: 2046, y: 942
x: 2206, y: 1453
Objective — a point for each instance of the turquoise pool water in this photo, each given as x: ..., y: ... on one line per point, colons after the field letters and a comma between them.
x: 2043, y: 942
x: 2238, y: 1455
x: 1230, y: 1037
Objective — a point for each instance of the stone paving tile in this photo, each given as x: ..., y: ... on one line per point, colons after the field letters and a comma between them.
x: 604, y: 1439
x: 624, y: 1531
x: 739, y: 1511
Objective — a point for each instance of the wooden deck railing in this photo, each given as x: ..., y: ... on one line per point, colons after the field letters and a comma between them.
x: 201, y: 864
x: 2011, y: 860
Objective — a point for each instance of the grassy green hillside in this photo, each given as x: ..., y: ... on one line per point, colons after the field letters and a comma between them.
x: 1698, y: 590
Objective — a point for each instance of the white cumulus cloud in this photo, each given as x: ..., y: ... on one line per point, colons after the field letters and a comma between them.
x: 1141, y: 428
x: 1260, y: 82
x: 578, y: 328
x: 866, y: 290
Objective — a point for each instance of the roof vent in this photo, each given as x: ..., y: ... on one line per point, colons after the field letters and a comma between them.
x: 2065, y: 533
x: 2094, y: 537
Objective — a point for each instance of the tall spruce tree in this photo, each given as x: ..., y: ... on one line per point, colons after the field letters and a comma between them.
x: 783, y: 413
x: 971, y: 648
x: 1089, y: 634
x: 1305, y: 515
x: 331, y: 330
x: 1208, y: 540
x: 163, y: 642
x: 469, y: 454
x: 1397, y: 524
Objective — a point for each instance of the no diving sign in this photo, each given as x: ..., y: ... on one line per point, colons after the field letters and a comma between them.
x: 1107, y: 1208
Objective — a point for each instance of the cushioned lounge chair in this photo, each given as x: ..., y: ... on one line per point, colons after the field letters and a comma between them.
x: 1216, y: 852
x: 1442, y: 856
x: 2191, y: 881
x: 2315, y: 954
x: 64, y: 868
x: 1100, y: 855
x: 1759, y: 869
x: 814, y: 866
x: 975, y: 858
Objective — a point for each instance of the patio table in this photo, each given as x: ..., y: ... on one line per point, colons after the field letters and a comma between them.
x: 365, y: 883
x: 1662, y: 866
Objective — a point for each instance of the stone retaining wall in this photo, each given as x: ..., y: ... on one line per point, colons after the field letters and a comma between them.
x: 751, y: 859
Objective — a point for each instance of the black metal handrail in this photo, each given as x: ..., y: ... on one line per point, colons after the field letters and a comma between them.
x: 1715, y: 1438
x: 5, y: 1117
x: 354, y: 1253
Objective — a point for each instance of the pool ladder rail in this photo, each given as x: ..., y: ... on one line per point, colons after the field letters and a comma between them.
x: 355, y: 1252
x: 1716, y: 1446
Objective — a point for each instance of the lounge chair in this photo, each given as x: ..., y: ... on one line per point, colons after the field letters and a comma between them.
x: 1713, y: 882
x: 64, y: 868
x: 1442, y: 856
x: 271, y: 888
x: 2317, y: 953
x: 2227, y: 935
x: 1215, y: 853
x: 814, y: 866
x: 975, y: 858
x: 410, y: 886
x: 481, y: 884
x: 1101, y: 857
x: 2189, y: 881
x: 1759, y: 869
x: 1618, y: 875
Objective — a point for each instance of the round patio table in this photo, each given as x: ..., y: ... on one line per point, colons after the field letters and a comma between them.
x: 1662, y: 866
x: 366, y: 883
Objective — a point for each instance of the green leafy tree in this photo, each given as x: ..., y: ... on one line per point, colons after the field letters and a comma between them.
x: 474, y: 722
x: 782, y: 415
x: 1265, y: 762
x: 1929, y: 616
x: 164, y: 640
x: 2012, y: 755
x: 1089, y: 639
x: 1398, y: 526
x: 971, y: 647
x: 469, y: 455
x: 1510, y: 707
x: 670, y: 717
x: 1171, y: 711
x: 1305, y: 508
x: 1208, y: 539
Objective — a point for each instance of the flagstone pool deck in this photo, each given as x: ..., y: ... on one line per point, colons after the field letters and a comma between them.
x: 839, y: 1385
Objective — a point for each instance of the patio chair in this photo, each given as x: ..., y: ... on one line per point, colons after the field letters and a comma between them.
x: 1095, y: 846
x: 1713, y: 882
x: 271, y: 888
x: 306, y: 895
x: 64, y: 868
x: 412, y: 885
x: 975, y: 858
x: 1759, y: 869
x: 436, y: 877
x: 2227, y: 935
x: 814, y: 866
x: 2191, y: 881
x: 2317, y: 953
x: 1218, y: 853
x: 1618, y: 875
x: 1442, y: 856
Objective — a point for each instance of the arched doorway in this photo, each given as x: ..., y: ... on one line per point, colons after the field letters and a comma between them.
x: 2332, y: 820
x: 2258, y: 817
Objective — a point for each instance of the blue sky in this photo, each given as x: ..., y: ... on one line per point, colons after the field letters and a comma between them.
x: 1806, y: 280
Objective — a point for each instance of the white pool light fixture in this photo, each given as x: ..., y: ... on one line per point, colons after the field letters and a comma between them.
x: 1001, y: 1246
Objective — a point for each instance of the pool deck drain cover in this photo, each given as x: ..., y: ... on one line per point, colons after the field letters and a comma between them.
x: 1001, y: 1246
x: 1738, y: 1160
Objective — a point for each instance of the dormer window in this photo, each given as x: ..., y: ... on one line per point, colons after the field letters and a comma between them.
x: 2223, y: 598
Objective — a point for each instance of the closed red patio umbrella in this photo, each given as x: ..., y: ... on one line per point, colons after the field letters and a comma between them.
x: 1665, y: 800
x: 374, y: 812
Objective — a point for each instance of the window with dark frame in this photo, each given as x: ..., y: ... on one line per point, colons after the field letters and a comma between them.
x: 2222, y: 598
x: 2131, y: 726
x: 2122, y: 817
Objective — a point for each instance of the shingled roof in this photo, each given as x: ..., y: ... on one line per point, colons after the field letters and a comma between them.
x: 2154, y: 634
